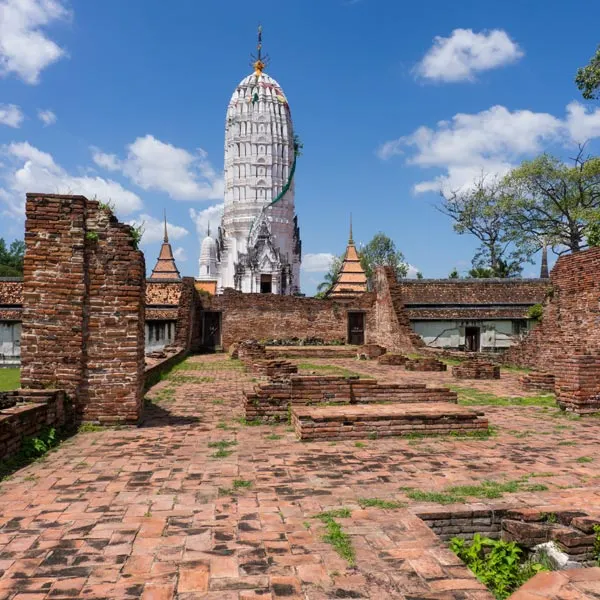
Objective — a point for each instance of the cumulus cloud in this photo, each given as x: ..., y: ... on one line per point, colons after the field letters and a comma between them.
x: 155, y: 165
x: 317, y: 263
x: 492, y: 141
x: 465, y: 53
x: 25, y: 49
x: 47, y: 117
x: 180, y: 254
x: 28, y: 169
x: 412, y: 272
x: 11, y: 115
x: 209, y: 216
x: 154, y: 229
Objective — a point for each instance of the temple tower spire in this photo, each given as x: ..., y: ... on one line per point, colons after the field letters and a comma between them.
x: 165, y: 267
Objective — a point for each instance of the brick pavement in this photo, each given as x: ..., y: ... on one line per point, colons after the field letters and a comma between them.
x: 150, y: 513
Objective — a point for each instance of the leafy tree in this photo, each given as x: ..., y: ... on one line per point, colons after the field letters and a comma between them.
x: 419, y: 275
x: 454, y: 274
x: 330, y: 276
x: 593, y: 234
x: 382, y: 251
x: 11, y: 258
x: 588, y: 78
x: 481, y: 212
x: 554, y: 201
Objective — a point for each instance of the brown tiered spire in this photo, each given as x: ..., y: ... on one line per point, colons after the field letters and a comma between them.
x: 165, y: 267
x: 351, y: 279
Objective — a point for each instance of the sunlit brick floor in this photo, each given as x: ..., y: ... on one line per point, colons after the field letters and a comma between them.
x: 150, y: 513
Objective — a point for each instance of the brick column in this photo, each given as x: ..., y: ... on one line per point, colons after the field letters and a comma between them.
x: 578, y: 383
x: 83, y: 307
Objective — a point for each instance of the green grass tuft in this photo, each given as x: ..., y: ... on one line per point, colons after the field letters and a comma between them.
x: 10, y: 379
x: 379, y: 503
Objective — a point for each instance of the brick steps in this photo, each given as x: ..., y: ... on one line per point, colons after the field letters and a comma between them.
x: 361, y: 421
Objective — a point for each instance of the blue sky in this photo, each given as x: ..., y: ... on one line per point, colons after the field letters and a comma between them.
x: 126, y: 100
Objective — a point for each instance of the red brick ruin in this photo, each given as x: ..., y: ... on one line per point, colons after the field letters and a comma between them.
x: 83, y: 307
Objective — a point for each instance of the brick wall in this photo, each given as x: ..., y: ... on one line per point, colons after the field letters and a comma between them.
x: 25, y: 414
x: 567, y: 341
x: 393, y: 330
x: 83, y: 307
x: 274, y: 317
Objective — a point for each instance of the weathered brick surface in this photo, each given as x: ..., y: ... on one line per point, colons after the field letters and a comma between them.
x: 476, y: 369
x: 370, y: 351
x: 537, y: 380
x: 310, y: 352
x: 577, y: 383
x: 391, y: 358
x: 425, y: 364
x: 83, y: 307
x: 31, y: 412
x: 270, y: 401
x: 361, y: 421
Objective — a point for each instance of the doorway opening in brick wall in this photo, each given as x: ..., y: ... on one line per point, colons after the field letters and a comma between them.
x: 356, y: 328
x: 472, y: 339
x: 265, y: 284
x: 212, y: 329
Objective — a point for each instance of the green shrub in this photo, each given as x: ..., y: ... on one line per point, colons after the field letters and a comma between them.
x: 535, y: 312
x: 499, y: 565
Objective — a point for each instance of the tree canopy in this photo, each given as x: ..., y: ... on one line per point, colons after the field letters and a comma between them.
x: 554, y: 201
x: 481, y: 211
x: 330, y: 276
x: 588, y: 78
x: 11, y: 258
x: 381, y: 251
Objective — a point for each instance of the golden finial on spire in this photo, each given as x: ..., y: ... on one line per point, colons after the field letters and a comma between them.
x: 350, y: 240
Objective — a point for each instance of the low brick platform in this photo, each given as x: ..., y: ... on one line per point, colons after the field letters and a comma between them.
x: 370, y: 351
x: 476, y: 369
x: 572, y: 584
x: 273, y: 367
x: 27, y: 412
x: 309, y: 352
x: 390, y: 358
x: 538, y: 380
x: 361, y: 421
x: 270, y: 401
x: 425, y: 364
x: 251, y: 350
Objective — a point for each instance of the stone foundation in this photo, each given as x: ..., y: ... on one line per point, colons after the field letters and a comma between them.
x: 537, y: 380
x: 370, y: 351
x: 249, y: 351
x: 25, y: 413
x: 273, y: 368
x: 398, y: 360
x: 270, y: 401
x: 425, y: 364
x: 389, y: 420
x: 476, y: 369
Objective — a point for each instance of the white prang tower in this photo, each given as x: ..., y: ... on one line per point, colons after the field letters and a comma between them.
x: 258, y: 243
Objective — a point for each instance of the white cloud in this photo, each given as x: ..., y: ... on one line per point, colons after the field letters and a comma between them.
x: 24, y: 48
x: 180, y: 254
x: 110, y: 162
x: 28, y: 169
x: 156, y: 165
x: 209, y: 216
x: 11, y: 115
x: 47, y: 117
x: 317, y: 263
x: 412, y: 272
x: 154, y: 229
x: 465, y: 53
x: 491, y: 141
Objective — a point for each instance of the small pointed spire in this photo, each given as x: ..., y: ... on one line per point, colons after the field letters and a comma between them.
x: 166, y: 238
x: 544, y: 268
x: 350, y: 240
x: 260, y: 60
x: 208, y: 230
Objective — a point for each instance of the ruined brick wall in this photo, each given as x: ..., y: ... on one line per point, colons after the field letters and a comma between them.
x: 274, y: 317
x: 83, y: 307
x: 571, y: 319
x: 188, y: 311
x: 393, y: 330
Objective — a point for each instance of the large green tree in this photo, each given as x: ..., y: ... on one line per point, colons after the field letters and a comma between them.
x: 381, y: 251
x: 553, y: 201
x: 11, y: 258
x: 480, y: 211
x: 588, y: 78
x: 330, y: 276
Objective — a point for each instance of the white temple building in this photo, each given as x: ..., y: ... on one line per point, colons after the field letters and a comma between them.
x: 257, y: 247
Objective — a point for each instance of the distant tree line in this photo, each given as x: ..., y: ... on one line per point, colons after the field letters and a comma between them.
x: 11, y: 258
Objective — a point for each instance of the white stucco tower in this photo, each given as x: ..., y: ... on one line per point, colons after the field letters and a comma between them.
x: 258, y: 243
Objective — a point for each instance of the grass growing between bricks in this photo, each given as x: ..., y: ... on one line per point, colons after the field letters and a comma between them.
x: 474, y: 397
x: 225, y: 365
x: 487, y: 489
x: 222, y: 447
x: 379, y: 503
x: 335, y: 535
